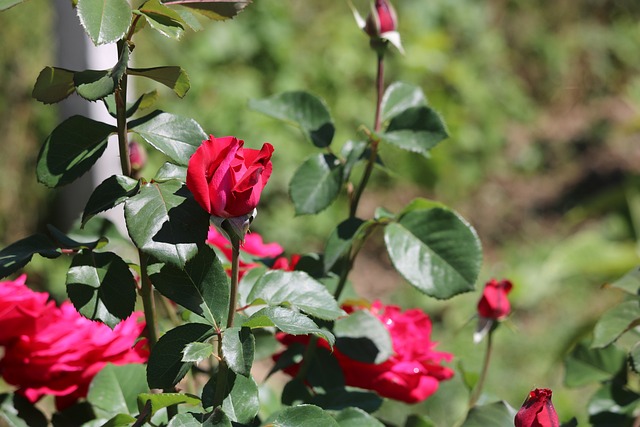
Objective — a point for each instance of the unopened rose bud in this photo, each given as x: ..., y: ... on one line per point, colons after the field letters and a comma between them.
x: 537, y: 410
x: 382, y: 19
x: 137, y: 157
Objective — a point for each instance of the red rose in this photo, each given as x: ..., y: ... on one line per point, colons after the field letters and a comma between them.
x: 65, y: 351
x: 227, y: 179
x: 494, y: 303
x: 411, y: 374
x: 19, y: 309
x: 382, y: 19
x: 537, y: 410
x: 283, y: 263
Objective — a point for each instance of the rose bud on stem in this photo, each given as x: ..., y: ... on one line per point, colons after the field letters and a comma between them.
x: 537, y: 410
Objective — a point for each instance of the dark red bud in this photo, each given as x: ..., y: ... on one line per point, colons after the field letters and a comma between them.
x: 382, y: 19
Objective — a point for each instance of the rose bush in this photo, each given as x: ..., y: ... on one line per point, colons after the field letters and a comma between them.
x: 537, y: 410
x: 414, y: 370
x: 227, y: 179
x: 62, y: 351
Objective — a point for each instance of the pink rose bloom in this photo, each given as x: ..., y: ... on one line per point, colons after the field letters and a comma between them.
x: 227, y: 179
x: 254, y: 246
x: 414, y: 370
x: 65, y: 352
x: 19, y: 309
x: 494, y: 303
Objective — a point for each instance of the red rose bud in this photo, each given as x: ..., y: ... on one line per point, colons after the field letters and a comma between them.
x: 494, y: 303
x: 227, y: 179
x: 137, y: 157
x: 382, y: 19
x: 537, y: 410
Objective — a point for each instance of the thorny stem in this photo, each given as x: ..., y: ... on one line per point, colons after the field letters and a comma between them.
x: 374, y: 140
x: 121, y: 116
x: 146, y: 292
x: 483, y: 375
x: 223, y: 368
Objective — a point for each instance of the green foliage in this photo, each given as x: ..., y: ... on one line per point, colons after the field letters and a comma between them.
x: 309, y: 415
x: 498, y: 414
x: 242, y: 404
x: 218, y: 10
x: 104, y: 22
x: 114, y: 390
x: 288, y: 321
x: 585, y: 365
x: 163, y: 19
x: 110, y: 193
x: 174, y: 78
x: 362, y: 336
x: 316, y: 184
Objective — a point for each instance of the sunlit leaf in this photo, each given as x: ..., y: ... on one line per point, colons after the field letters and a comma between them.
x: 163, y: 19
x: 174, y: 78
x: 53, y: 85
x: 111, y: 192
x: 104, y: 21
x: 114, y: 389
x: 316, y: 184
x: 218, y: 10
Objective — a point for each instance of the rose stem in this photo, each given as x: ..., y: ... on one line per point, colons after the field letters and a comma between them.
x: 223, y: 368
x: 485, y: 368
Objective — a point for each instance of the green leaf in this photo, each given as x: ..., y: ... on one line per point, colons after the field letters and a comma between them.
x: 238, y: 348
x: 218, y: 10
x: 340, y: 398
x: 497, y: 414
x: 355, y: 417
x: 316, y: 183
x: 163, y: 400
x: 144, y: 101
x: 17, y: 411
x: 196, y: 352
x: 165, y: 367
x: 104, y: 21
x: 101, y: 287
x: 162, y: 19
x: 201, y: 286
x: 184, y: 420
x: 615, y: 322
x: 436, y: 251
x: 119, y: 420
x: 585, y: 365
x: 114, y: 389
x: 174, y: 78
x: 634, y: 356
x: 288, y: 321
x: 65, y: 242
x: 363, y: 337
x: 110, y: 193
x: 417, y: 129
x: 303, y: 415
x: 175, y: 136
x: 301, y: 109
x: 18, y: 254
x: 165, y: 222
x: 415, y: 420
x: 399, y: 97
x: 297, y: 290
x: 53, y: 85
x: 93, y: 85
x: 353, y: 152
x: 612, y: 405
x: 6, y: 4
x: 242, y: 404
x: 170, y: 171
x: 630, y: 282
x: 71, y: 149
x: 341, y: 239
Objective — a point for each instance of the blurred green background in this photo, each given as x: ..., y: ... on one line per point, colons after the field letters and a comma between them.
x: 542, y: 102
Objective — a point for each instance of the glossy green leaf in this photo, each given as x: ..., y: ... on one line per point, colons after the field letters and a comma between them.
x: 104, y: 21
x: 196, y: 352
x: 303, y: 415
x: 17, y: 411
x: 497, y: 414
x: 341, y: 239
x: 399, y: 97
x: 417, y: 129
x: 18, y: 254
x: 65, y: 242
x: 163, y: 19
x: 218, y: 10
x: 174, y: 78
x: 6, y: 4
x: 189, y: 17
x: 120, y: 420
x: 114, y: 389
x: 303, y: 110
x: 630, y: 282
x: 615, y: 322
x: 242, y: 404
x: 184, y: 420
x: 144, y: 101
x: 298, y: 290
x: 110, y: 193
x: 165, y: 367
x: 164, y: 221
x: 316, y: 183
x: 238, y: 348
x: 101, y: 287
x: 288, y: 321
x: 53, y: 85
x: 586, y: 365
x: 93, y: 85
x: 363, y: 337
x: 169, y: 171
x: 355, y: 417
x: 353, y: 152
x: 201, y: 286
x: 163, y: 400
x: 436, y: 251
x: 71, y: 149
x: 175, y: 136
x: 613, y: 404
